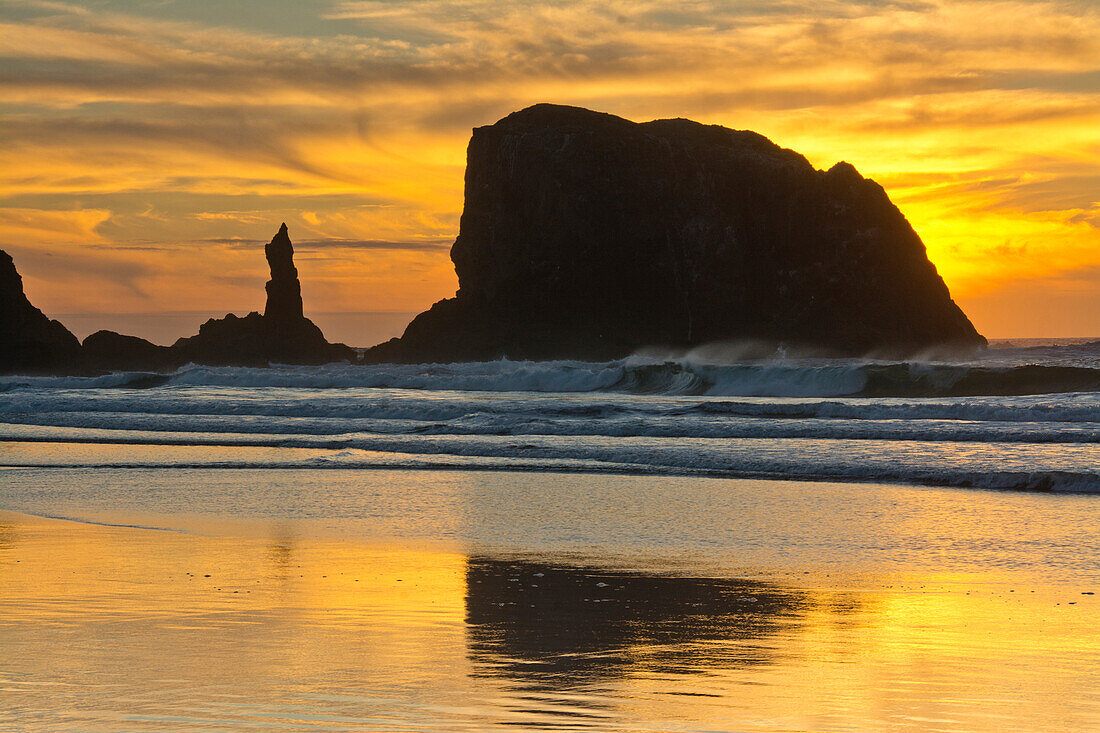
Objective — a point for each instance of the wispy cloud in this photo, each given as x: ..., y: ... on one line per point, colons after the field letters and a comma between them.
x: 329, y: 244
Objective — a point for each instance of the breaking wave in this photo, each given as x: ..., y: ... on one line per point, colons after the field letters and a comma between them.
x: 630, y: 376
x: 1018, y: 418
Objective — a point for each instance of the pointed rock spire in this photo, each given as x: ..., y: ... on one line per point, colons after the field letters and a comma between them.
x: 284, y: 291
x: 281, y: 335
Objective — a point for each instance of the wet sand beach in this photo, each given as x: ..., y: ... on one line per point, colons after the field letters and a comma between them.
x: 348, y: 614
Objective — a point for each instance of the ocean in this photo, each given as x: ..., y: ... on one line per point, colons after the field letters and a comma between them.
x: 1020, y: 417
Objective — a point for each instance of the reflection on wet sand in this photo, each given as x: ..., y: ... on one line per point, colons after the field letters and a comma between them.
x: 107, y: 628
x: 280, y: 550
x: 557, y: 625
x: 7, y: 535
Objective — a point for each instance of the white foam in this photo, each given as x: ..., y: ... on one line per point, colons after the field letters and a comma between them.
x: 776, y: 418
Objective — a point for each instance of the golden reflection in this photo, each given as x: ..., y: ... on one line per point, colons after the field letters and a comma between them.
x: 268, y: 624
x: 221, y: 609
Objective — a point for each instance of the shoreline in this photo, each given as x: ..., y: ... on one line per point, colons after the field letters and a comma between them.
x: 797, y: 573
x: 330, y: 459
x: 715, y: 522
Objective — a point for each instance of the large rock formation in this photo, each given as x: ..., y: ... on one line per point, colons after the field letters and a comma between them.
x: 282, y: 334
x: 585, y: 235
x: 29, y: 341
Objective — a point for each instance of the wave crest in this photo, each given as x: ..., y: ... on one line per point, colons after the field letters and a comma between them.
x: 633, y: 376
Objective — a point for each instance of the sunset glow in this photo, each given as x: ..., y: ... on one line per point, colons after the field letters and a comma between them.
x: 149, y: 149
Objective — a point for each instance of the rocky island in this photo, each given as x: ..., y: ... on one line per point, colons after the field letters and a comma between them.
x: 282, y: 334
x: 32, y: 343
x: 588, y: 236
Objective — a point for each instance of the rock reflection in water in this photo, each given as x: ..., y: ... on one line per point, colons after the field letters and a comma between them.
x: 556, y: 625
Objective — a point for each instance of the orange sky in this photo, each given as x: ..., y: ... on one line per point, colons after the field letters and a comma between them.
x: 148, y: 149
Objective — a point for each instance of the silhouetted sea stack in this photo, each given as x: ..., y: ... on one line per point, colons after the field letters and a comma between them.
x: 284, y: 291
x: 282, y: 334
x: 588, y: 236
x: 29, y: 341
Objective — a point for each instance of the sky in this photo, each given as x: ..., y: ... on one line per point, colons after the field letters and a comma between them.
x: 148, y: 148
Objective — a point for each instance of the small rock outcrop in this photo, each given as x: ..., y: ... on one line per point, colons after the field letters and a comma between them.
x: 110, y: 351
x: 31, y: 343
x: 281, y: 335
x: 585, y: 235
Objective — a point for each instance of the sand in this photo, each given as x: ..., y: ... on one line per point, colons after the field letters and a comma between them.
x: 276, y: 624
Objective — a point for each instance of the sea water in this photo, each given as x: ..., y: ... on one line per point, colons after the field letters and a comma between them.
x: 1015, y: 418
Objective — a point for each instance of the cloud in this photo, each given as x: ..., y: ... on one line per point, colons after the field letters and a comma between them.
x: 267, y: 138
x: 329, y: 244
x: 59, y: 277
x: 438, y: 45
x: 34, y: 226
x: 375, y: 244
